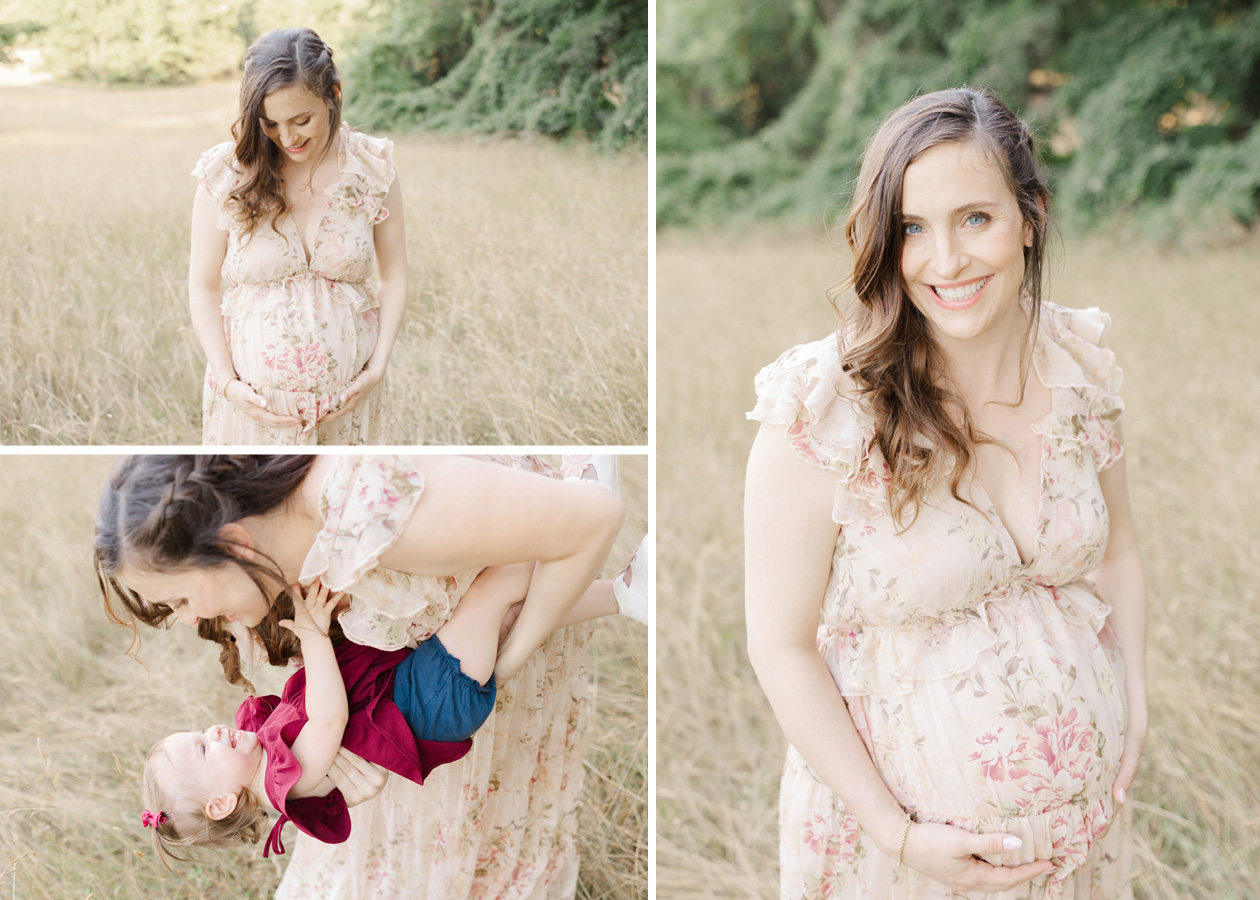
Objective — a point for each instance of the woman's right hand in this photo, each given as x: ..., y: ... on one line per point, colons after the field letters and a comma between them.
x: 250, y: 402
x: 949, y: 855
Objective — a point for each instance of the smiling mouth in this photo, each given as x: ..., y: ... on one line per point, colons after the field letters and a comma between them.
x: 960, y: 296
x: 299, y: 148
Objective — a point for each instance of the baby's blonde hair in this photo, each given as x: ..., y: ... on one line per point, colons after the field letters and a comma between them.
x: 186, y: 825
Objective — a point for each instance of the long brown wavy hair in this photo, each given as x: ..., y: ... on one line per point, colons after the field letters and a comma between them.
x: 279, y: 59
x: 185, y: 827
x: 164, y: 514
x: 885, y: 342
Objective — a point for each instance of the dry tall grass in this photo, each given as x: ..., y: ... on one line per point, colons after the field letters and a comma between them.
x: 528, y: 310
x: 1185, y: 331
x: 76, y: 716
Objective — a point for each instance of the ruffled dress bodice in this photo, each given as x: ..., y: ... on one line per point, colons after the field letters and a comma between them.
x: 300, y: 329
x: 988, y: 690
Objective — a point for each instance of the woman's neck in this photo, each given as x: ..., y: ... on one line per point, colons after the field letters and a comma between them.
x: 285, y: 534
x: 988, y: 367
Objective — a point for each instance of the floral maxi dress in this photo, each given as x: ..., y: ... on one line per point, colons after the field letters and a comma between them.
x: 499, y: 824
x: 989, y: 692
x: 300, y: 330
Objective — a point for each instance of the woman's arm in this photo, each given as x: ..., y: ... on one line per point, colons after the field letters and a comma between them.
x: 205, y: 265
x: 790, y: 539
x: 1122, y: 584
x: 477, y: 514
x: 390, y: 238
x: 317, y: 744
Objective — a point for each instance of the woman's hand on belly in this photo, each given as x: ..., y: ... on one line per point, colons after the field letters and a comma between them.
x: 357, y: 389
x: 948, y: 855
x: 250, y: 402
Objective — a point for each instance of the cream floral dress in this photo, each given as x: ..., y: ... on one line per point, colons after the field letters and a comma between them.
x: 988, y: 692
x: 500, y: 823
x: 299, y: 330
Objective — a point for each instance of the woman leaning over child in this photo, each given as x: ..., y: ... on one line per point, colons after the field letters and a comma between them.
x: 214, y: 541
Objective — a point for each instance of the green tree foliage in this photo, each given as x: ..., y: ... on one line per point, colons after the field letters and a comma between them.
x: 170, y: 41
x: 553, y: 67
x: 13, y: 31
x: 1144, y: 108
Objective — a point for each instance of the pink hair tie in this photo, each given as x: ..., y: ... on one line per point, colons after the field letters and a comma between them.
x: 151, y: 819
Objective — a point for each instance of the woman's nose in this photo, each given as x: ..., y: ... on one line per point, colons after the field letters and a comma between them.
x: 188, y: 617
x: 949, y: 257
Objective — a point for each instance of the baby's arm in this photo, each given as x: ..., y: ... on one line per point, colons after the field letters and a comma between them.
x: 320, y: 739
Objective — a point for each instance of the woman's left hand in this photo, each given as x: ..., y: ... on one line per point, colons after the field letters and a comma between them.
x: 1134, y: 740
x: 360, y: 387
x: 358, y: 779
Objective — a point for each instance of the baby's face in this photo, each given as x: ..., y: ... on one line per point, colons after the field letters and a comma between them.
x: 218, y: 761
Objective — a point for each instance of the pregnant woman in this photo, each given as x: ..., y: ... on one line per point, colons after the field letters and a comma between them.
x: 292, y: 220
x: 943, y: 481
x: 214, y: 541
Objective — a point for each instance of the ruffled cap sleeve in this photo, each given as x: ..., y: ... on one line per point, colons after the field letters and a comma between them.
x: 367, y: 171
x: 365, y: 504
x: 217, y: 175
x: 1072, y: 355
x: 808, y: 392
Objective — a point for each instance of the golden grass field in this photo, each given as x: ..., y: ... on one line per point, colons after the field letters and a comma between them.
x: 1186, y: 327
x: 527, y: 317
x: 77, y: 716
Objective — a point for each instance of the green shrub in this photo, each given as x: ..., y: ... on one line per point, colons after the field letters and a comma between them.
x: 1145, y: 108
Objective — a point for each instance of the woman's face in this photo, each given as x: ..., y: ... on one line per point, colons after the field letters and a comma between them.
x: 296, y: 121
x: 962, y: 261
x: 201, y: 593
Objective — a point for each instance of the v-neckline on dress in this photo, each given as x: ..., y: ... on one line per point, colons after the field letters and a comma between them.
x: 308, y: 257
x: 1041, y: 428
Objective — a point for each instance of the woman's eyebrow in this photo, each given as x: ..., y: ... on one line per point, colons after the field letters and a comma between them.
x: 290, y: 119
x: 958, y: 210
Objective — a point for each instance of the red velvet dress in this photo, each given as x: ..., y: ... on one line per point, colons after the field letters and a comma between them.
x: 376, y: 730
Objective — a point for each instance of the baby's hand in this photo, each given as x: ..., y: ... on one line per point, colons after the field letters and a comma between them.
x: 313, y: 610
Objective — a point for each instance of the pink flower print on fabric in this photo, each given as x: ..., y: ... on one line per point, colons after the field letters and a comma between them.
x: 574, y: 465
x: 1001, y: 756
x: 801, y: 441
x: 296, y: 367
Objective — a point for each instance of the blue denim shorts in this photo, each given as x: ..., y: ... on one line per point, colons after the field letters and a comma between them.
x: 440, y: 702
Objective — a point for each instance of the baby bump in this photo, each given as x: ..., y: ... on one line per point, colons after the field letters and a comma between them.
x: 1035, y: 724
x: 309, y: 336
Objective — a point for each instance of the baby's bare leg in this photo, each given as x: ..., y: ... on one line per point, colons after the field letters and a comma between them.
x: 598, y: 601
x: 471, y: 635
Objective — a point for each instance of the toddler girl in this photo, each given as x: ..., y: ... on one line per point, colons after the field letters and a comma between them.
x: 406, y: 710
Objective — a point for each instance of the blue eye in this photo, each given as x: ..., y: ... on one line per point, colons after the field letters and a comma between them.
x: 911, y: 228
x: 976, y: 219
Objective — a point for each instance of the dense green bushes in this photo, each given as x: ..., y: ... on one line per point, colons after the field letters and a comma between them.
x: 1142, y: 108
x: 551, y: 67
